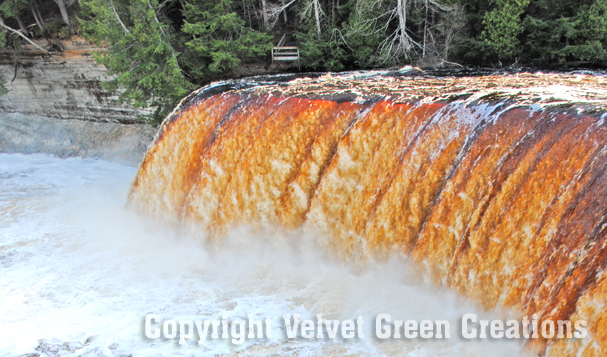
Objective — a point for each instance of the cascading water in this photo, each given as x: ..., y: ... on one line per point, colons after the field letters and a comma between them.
x: 492, y: 186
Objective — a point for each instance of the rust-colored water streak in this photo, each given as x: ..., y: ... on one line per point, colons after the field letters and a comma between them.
x: 501, y: 202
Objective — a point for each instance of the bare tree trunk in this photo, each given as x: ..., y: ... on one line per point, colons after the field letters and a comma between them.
x: 425, y: 30
x: 332, y: 13
x: 402, y: 25
x: 317, y: 16
x: 284, y: 14
x: 38, y: 20
x: 63, y: 10
x: 4, y: 27
x: 22, y: 26
x: 264, y: 13
x: 39, y: 14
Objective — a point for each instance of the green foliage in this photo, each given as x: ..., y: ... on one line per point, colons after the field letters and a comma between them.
x: 365, y: 33
x: 324, y: 52
x: 503, y: 26
x: 542, y: 32
x: 12, y: 8
x: 54, y: 26
x: 139, y: 52
x: 64, y: 33
x: 218, y: 40
x: 565, y: 33
x: 155, y: 61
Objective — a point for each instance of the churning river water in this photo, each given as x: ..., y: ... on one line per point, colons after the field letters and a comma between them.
x: 79, y: 273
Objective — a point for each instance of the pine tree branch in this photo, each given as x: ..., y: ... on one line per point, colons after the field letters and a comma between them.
x: 165, y: 36
x: 126, y: 30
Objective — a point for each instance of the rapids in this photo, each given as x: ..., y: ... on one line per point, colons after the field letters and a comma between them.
x: 80, y: 272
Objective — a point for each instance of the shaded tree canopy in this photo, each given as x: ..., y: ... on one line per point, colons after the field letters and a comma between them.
x: 159, y: 50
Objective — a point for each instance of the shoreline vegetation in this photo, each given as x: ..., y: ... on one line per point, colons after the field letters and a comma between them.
x: 158, y: 51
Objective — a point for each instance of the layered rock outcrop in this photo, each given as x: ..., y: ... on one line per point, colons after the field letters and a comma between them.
x: 56, y: 104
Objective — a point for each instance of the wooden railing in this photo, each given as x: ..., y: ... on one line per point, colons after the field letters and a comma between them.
x: 285, y: 54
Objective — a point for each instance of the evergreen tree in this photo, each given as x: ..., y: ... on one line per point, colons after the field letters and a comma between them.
x: 320, y: 37
x: 140, y: 52
x: 503, y: 27
x: 563, y: 31
x: 217, y: 40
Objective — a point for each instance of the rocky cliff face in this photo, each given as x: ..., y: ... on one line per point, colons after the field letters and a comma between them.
x: 56, y: 104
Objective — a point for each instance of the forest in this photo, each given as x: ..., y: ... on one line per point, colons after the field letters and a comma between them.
x: 160, y: 50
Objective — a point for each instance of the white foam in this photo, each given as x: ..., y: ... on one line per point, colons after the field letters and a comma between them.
x: 80, y: 272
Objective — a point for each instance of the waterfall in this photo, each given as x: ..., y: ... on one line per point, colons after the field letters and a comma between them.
x: 495, y: 187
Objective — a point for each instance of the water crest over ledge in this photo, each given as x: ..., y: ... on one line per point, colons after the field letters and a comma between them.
x: 493, y: 185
